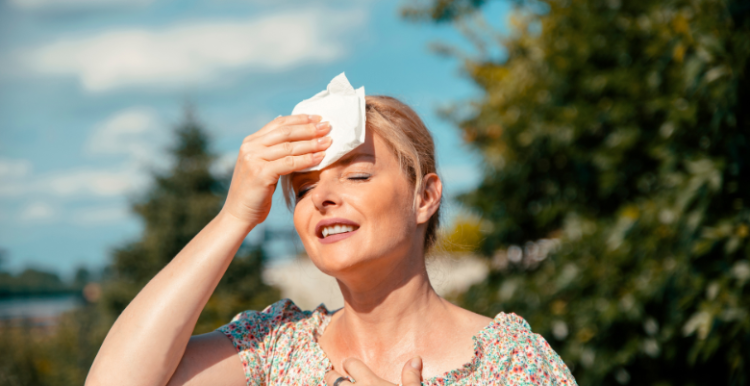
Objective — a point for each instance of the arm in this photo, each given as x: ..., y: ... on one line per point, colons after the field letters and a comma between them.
x: 149, y: 339
x: 209, y: 359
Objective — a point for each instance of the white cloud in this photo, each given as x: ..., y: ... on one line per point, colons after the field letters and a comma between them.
x: 82, y: 181
x: 44, y: 212
x: 38, y: 211
x: 13, y: 173
x: 99, y: 215
x: 197, y: 53
x: 131, y: 132
x: 14, y: 168
x: 93, y: 182
x: 78, y: 4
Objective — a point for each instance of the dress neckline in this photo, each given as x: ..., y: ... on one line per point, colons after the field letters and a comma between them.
x: 456, y: 374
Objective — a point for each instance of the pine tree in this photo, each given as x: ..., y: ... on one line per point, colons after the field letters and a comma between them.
x: 616, y: 138
x: 180, y: 203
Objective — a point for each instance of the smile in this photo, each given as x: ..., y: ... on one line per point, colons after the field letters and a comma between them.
x: 335, y: 229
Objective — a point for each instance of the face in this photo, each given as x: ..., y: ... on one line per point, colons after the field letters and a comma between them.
x: 358, y: 212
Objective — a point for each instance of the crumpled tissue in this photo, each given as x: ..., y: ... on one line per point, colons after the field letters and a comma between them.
x: 344, y: 108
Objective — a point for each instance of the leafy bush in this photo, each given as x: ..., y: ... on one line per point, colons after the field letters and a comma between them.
x: 620, y: 129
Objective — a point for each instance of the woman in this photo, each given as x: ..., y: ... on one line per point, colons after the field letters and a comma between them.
x: 366, y: 220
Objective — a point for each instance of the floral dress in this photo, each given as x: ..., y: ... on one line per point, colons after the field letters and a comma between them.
x: 278, y: 346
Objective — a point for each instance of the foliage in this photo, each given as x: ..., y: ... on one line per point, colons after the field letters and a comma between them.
x: 180, y: 203
x: 37, y: 282
x: 52, y: 355
x: 464, y: 236
x: 621, y: 129
x: 442, y: 10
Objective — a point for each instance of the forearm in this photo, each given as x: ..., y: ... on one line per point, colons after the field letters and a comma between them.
x: 149, y: 338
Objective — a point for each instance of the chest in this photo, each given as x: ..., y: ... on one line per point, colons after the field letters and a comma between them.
x: 440, y: 355
x: 309, y: 370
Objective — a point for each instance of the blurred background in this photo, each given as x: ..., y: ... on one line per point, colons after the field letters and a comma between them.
x: 595, y: 154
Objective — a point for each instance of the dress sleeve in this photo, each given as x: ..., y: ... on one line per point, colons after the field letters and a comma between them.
x: 531, y: 360
x: 254, y: 335
x: 558, y: 372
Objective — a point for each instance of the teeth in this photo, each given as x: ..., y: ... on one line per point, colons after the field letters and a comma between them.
x: 336, y: 229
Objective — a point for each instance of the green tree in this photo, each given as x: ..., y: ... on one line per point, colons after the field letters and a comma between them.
x: 620, y: 129
x: 179, y: 204
x: 32, y: 282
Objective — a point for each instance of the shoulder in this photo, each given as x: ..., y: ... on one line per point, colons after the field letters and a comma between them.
x: 275, y: 332
x: 520, y: 353
x: 283, y: 311
x: 249, y: 328
x: 511, y: 325
x: 470, y: 320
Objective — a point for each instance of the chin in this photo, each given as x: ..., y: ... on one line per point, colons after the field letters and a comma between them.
x: 358, y: 252
x: 336, y: 260
x: 337, y: 264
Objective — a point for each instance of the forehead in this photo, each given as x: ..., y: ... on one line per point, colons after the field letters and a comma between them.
x: 374, y: 150
x: 365, y: 151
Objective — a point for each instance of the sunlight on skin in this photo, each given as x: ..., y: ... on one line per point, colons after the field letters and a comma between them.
x: 380, y: 265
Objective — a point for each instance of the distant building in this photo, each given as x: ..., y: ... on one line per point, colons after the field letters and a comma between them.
x: 299, y: 279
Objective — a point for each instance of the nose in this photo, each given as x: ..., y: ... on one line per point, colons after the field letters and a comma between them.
x: 324, y: 196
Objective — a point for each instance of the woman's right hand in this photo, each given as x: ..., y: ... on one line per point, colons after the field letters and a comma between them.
x: 285, y: 145
x: 411, y: 374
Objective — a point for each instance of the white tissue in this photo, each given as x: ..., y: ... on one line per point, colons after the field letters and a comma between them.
x: 344, y: 108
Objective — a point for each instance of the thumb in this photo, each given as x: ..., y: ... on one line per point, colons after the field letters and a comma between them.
x: 411, y: 375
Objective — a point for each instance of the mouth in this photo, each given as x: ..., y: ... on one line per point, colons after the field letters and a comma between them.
x: 335, y: 229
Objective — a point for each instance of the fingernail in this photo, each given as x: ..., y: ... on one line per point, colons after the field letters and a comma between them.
x: 314, y: 118
x: 321, y: 125
x: 325, y: 139
x: 320, y: 154
x: 416, y: 363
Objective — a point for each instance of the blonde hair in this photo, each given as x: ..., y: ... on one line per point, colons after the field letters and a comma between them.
x: 411, y: 142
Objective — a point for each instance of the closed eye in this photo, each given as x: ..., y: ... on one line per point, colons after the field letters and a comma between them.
x: 360, y: 177
x: 303, y: 191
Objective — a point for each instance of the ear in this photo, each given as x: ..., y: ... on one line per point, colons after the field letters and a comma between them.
x: 429, y: 198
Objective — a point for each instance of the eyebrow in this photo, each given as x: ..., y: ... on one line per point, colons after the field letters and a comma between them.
x: 344, y: 161
x: 351, y: 158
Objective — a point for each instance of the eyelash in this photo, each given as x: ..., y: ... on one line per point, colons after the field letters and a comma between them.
x: 302, y: 192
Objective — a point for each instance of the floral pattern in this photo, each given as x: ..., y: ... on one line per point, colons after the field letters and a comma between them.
x: 278, y: 346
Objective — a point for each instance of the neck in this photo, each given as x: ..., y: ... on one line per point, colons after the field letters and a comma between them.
x: 385, y: 309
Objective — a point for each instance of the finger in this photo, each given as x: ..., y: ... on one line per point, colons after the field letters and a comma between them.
x: 285, y: 149
x: 332, y: 376
x: 358, y: 370
x: 291, y: 133
x: 411, y: 375
x: 297, y: 119
x: 293, y: 163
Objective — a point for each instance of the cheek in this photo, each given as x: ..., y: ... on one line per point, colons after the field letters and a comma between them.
x: 301, y: 218
x: 391, y: 212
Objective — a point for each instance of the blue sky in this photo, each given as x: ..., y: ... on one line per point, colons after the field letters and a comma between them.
x: 89, y: 91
